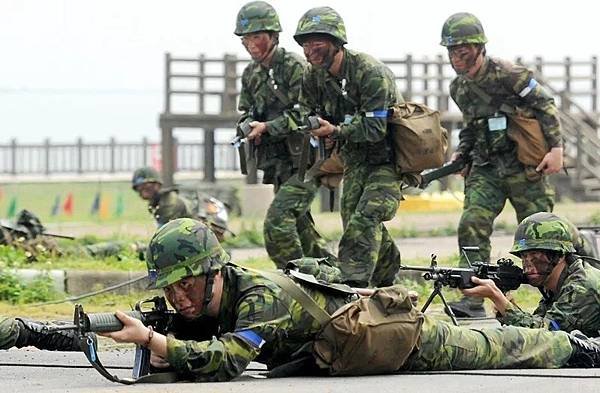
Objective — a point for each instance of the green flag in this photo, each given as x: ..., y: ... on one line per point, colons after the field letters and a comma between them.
x: 120, y: 206
x: 12, y: 208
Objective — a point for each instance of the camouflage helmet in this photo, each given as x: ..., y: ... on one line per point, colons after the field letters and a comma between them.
x: 182, y: 248
x: 256, y: 16
x: 462, y: 28
x: 321, y: 20
x: 543, y: 231
x: 145, y: 175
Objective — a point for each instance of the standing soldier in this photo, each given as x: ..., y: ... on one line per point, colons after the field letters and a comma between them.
x: 353, y: 91
x: 496, y: 99
x: 270, y: 87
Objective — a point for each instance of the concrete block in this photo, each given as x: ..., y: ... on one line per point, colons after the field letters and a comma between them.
x: 78, y: 282
x: 29, y: 275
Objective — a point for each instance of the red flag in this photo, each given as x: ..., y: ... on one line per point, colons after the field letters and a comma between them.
x: 68, y: 205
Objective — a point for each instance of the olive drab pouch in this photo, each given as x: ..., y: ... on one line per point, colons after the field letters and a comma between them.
x: 418, y: 139
x: 294, y: 143
x: 371, y: 335
x: 329, y: 170
x: 527, y: 134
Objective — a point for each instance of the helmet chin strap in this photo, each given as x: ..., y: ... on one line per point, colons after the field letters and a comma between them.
x: 329, y: 60
x: 553, y: 259
x: 268, y: 53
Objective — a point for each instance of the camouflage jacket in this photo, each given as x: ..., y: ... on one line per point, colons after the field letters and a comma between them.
x: 508, y: 84
x: 168, y: 205
x: 259, y: 102
x: 258, y: 321
x: 575, y: 305
x: 364, y: 88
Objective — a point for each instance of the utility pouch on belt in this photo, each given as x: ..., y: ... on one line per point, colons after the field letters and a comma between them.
x: 294, y: 144
x: 417, y: 136
x: 371, y: 335
x: 531, y: 143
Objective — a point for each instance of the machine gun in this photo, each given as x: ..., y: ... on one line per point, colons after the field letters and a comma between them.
x: 443, y: 171
x: 505, y: 274
x: 158, y: 316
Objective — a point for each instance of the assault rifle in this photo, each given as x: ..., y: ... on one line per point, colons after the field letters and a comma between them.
x: 505, y: 274
x: 443, y: 171
x: 85, y: 324
x: 312, y: 123
x: 237, y: 142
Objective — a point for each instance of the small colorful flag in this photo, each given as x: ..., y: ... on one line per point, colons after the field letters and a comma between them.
x: 96, y: 204
x: 104, y: 203
x: 12, y: 208
x: 68, y: 205
x: 55, y: 206
x: 120, y: 206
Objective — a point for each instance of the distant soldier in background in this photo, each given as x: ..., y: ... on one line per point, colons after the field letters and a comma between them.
x: 164, y: 203
x: 500, y: 102
x: 270, y: 89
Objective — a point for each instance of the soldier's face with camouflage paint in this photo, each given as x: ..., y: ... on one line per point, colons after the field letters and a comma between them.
x: 536, y: 266
x: 147, y: 190
x: 187, y: 296
x: 465, y: 59
x: 258, y: 45
x: 319, y: 51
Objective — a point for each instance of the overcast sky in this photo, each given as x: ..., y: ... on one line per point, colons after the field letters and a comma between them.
x: 94, y: 68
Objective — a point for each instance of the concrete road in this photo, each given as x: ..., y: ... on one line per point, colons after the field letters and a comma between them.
x: 31, y: 370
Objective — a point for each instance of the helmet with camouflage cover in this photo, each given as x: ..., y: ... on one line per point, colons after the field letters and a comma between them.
x: 321, y: 20
x: 256, y: 16
x: 462, y: 28
x: 145, y: 175
x: 543, y: 231
x: 182, y: 248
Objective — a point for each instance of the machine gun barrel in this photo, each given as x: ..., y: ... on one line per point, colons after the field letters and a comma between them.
x: 443, y: 171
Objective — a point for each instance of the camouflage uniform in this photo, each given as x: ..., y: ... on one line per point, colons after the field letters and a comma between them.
x: 18, y: 332
x: 496, y: 173
x: 259, y: 321
x: 289, y: 229
x: 168, y: 205
x: 576, y: 303
x: 353, y: 99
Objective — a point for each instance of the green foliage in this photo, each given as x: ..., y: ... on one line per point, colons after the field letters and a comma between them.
x: 246, y: 238
x: 595, y: 218
x: 14, y: 291
x: 11, y: 256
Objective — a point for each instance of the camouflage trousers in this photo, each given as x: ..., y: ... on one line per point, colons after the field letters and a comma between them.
x: 289, y: 229
x: 448, y: 347
x: 367, y: 254
x: 486, y: 193
x: 9, y: 332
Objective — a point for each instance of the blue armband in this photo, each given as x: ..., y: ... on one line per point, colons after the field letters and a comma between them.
x: 383, y: 113
x: 532, y: 84
x: 251, y: 338
x: 554, y: 325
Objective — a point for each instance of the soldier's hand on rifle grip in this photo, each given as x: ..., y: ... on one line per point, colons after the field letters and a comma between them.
x: 325, y: 130
x: 487, y: 288
x: 258, y: 128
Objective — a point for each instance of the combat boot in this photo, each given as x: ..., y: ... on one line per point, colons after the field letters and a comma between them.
x: 586, y: 351
x: 468, y: 307
x: 32, y: 333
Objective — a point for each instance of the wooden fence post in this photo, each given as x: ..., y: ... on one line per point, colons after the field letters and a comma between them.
x: 47, y: 156
x: 13, y: 156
